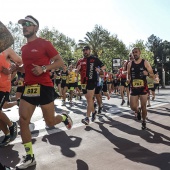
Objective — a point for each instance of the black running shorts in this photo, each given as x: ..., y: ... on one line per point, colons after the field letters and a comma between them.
x: 98, y: 90
x: 139, y: 91
x: 20, y: 89
x: 89, y: 86
x: 4, y: 96
x: 46, y: 96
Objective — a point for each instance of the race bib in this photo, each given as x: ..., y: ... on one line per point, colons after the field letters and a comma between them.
x: 20, y: 83
x: 83, y: 86
x: 64, y: 77
x: 150, y: 85
x: 138, y: 83
x: 32, y: 91
x: 58, y: 77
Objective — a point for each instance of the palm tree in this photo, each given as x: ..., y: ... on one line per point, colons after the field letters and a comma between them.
x: 97, y: 40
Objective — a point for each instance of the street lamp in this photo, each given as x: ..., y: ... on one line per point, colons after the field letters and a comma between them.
x: 162, y: 68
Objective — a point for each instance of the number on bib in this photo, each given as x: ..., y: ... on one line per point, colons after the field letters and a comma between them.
x: 83, y: 86
x: 138, y: 83
x: 150, y: 85
x: 32, y: 91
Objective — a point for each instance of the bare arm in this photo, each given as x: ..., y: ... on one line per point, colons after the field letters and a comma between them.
x: 149, y: 71
x: 103, y: 68
x: 128, y: 72
x: 57, y: 62
x: 13, y: 56
x: 124, y: 71
x: 13, y: 75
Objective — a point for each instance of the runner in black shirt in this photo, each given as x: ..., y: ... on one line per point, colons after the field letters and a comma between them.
x: 137, y: 72
x: 88, y: 67
x: 64, y: 83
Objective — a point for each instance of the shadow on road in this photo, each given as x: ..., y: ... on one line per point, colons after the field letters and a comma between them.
x: 9, y: 156
x: 64, y: 141
x: 81, y: 165
x: 134, y: 151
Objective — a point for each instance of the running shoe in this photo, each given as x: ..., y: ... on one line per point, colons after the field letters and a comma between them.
x: 94, y: 116
x: 63, y: 103
x: 144, y: 125
x: 85, y: 121
x: 26, y: 162
x: 6, y: 141
x: 95, y: 105
x: 71, y: 103
x: 68, y: 97
x: 123, y: 102
x: 139, y: 114
x: 148, y: 105
x: 18, y: 102
x: 13, y: 131
x: 100, y: 110
x: 68, y: 122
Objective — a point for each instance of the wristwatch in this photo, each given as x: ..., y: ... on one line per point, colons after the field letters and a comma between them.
x: 44, y: 68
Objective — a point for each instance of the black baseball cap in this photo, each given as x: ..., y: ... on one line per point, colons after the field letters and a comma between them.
x: 86, y: 48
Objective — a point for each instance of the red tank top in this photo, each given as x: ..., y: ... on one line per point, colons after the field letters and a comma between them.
x: 5, y: 80
x: 122, y: 76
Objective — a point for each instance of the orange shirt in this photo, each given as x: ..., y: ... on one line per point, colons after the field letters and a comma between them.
x: 5, y: 80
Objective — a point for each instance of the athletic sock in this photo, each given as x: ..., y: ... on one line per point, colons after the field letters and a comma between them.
x: 63, y: 118
x: 28, y: 148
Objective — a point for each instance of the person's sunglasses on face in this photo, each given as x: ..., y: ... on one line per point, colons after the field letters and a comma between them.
x: 27, y: 24
x: 84, y: 50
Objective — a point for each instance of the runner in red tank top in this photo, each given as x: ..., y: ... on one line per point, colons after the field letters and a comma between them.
x: 123, y: 85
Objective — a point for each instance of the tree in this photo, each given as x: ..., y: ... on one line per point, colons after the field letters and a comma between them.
x: 62, y: 43
x: 145, y: 52
x: 104, y: 45
x: 17, y: 34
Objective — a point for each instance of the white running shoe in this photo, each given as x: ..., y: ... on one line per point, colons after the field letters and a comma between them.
x: 26, y: 162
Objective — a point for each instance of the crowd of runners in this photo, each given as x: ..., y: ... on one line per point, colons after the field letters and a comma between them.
x: 40, y: 76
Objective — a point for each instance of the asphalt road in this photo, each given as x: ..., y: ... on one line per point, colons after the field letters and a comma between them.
x: 114, y: 142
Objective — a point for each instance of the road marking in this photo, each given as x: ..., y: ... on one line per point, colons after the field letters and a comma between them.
x: 113, y: 112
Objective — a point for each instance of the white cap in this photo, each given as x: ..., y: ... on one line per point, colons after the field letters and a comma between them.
x: 27, y: 19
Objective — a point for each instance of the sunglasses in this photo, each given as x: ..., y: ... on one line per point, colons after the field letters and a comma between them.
x: 27, y: 24
x: 85, y: 50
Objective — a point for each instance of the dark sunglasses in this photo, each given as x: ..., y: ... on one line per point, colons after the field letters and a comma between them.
x: 85, y: 50
x: 27, y: 24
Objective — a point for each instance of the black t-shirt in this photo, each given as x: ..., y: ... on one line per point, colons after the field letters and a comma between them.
x: 88, y: 68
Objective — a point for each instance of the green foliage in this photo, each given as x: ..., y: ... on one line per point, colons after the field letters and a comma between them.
x: 62, y: 43
x: 145, y: 52
x: 160, y: 49
x: 104, y: 45
x: 17, y: 34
